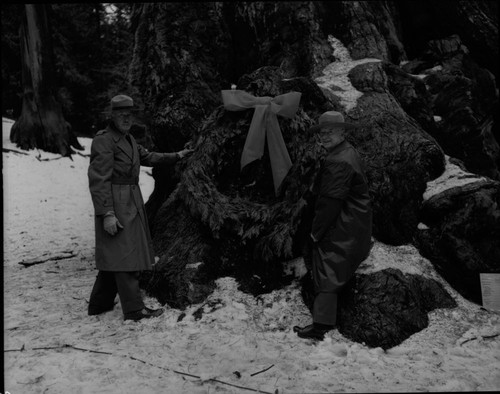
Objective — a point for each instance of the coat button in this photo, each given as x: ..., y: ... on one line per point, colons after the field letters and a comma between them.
x: 133, y: 187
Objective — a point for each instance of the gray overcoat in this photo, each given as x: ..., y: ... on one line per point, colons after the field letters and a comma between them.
x: 113, y: 182
x: 345, y: 241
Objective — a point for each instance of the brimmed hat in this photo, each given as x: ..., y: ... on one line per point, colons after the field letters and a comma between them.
x: 332, y: 119
x: 121, y: 101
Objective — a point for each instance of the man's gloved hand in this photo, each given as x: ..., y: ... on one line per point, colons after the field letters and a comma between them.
x: 184, y: 153
x: 111, y: 224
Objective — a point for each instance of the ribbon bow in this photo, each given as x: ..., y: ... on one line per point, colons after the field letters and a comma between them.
x: 265, y: 124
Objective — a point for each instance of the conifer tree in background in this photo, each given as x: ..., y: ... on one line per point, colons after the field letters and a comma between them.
x: 11, y: 61
x: 41, y: 124
x: 92, y: 45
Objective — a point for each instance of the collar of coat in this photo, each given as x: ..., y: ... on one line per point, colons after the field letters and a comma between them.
x: 119, y: 139
x: 117, y: 134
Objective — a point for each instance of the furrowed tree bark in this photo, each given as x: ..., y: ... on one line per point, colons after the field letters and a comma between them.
x: 41, y: 124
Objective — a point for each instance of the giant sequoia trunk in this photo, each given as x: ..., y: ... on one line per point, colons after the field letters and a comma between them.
x: 41, y: 124
x: 210, y: 219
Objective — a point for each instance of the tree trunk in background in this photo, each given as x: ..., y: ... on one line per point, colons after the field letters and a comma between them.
x: 41, y: 124
x: 179, y: 63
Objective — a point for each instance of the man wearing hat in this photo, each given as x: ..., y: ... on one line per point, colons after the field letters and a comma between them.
x: 123, y: 242
x: 342, y: 223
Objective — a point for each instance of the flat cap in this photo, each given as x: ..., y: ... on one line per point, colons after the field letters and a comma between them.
x: 331, y: 119
x: 122, y: 102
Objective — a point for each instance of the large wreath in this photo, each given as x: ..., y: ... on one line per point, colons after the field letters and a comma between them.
x: 242, y: 204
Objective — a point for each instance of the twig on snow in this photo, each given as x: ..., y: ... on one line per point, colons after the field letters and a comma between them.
x: 83, y: 154
x: 14, y: 151
x: 484, y: 337
x: 264, y: 370
x: 39, y: 158
x: 144, y: 362
x: 39, y: 260
x: 235, y: 342
x: 87, y: 350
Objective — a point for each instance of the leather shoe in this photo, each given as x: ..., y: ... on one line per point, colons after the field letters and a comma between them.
x: 144, y: 313
x: 95, y: 310
x: 312, y: 331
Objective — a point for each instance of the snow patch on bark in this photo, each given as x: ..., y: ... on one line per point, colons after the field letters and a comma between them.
x: 453, y: 176
x: 335, y: 75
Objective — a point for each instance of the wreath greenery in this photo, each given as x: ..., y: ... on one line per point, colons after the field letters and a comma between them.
x: 242, y: 204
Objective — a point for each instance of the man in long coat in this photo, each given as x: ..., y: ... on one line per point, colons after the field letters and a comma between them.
x: 342, y: 223
x: 123, y: 245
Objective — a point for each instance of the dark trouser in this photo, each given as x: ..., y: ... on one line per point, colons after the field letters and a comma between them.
x: 325, y: 308
x: 108, y: 284
x: 330, y: 274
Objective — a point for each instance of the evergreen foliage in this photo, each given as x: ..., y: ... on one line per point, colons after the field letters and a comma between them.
x: 240, y: 206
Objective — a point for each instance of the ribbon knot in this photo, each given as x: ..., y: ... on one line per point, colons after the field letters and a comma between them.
x: 265, y: 125
x: 264, y: 100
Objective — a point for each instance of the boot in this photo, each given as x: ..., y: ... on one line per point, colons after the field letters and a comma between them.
x: 313, y: 331
x: 144, y: 313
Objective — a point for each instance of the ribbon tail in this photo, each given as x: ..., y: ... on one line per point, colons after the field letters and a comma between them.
x: 278, y: 154
x: 254, y: 144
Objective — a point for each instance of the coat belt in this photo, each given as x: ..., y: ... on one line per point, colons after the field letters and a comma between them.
x: 125, y: 181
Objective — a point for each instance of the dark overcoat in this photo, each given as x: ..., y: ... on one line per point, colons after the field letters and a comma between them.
x: 344, y: 241
x: 113, y: 181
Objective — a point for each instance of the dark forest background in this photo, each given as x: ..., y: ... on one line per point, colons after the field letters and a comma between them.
x: 92, y: 44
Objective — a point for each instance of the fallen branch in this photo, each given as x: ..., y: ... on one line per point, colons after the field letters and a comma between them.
x: 484, y: 337
x: 144, y: 362
x: 264, y: 370
x: 39, y: 158
x: 40, y: 260
x: 14, y: 151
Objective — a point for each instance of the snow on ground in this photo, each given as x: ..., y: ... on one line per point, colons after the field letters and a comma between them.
x: 239, y: 344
